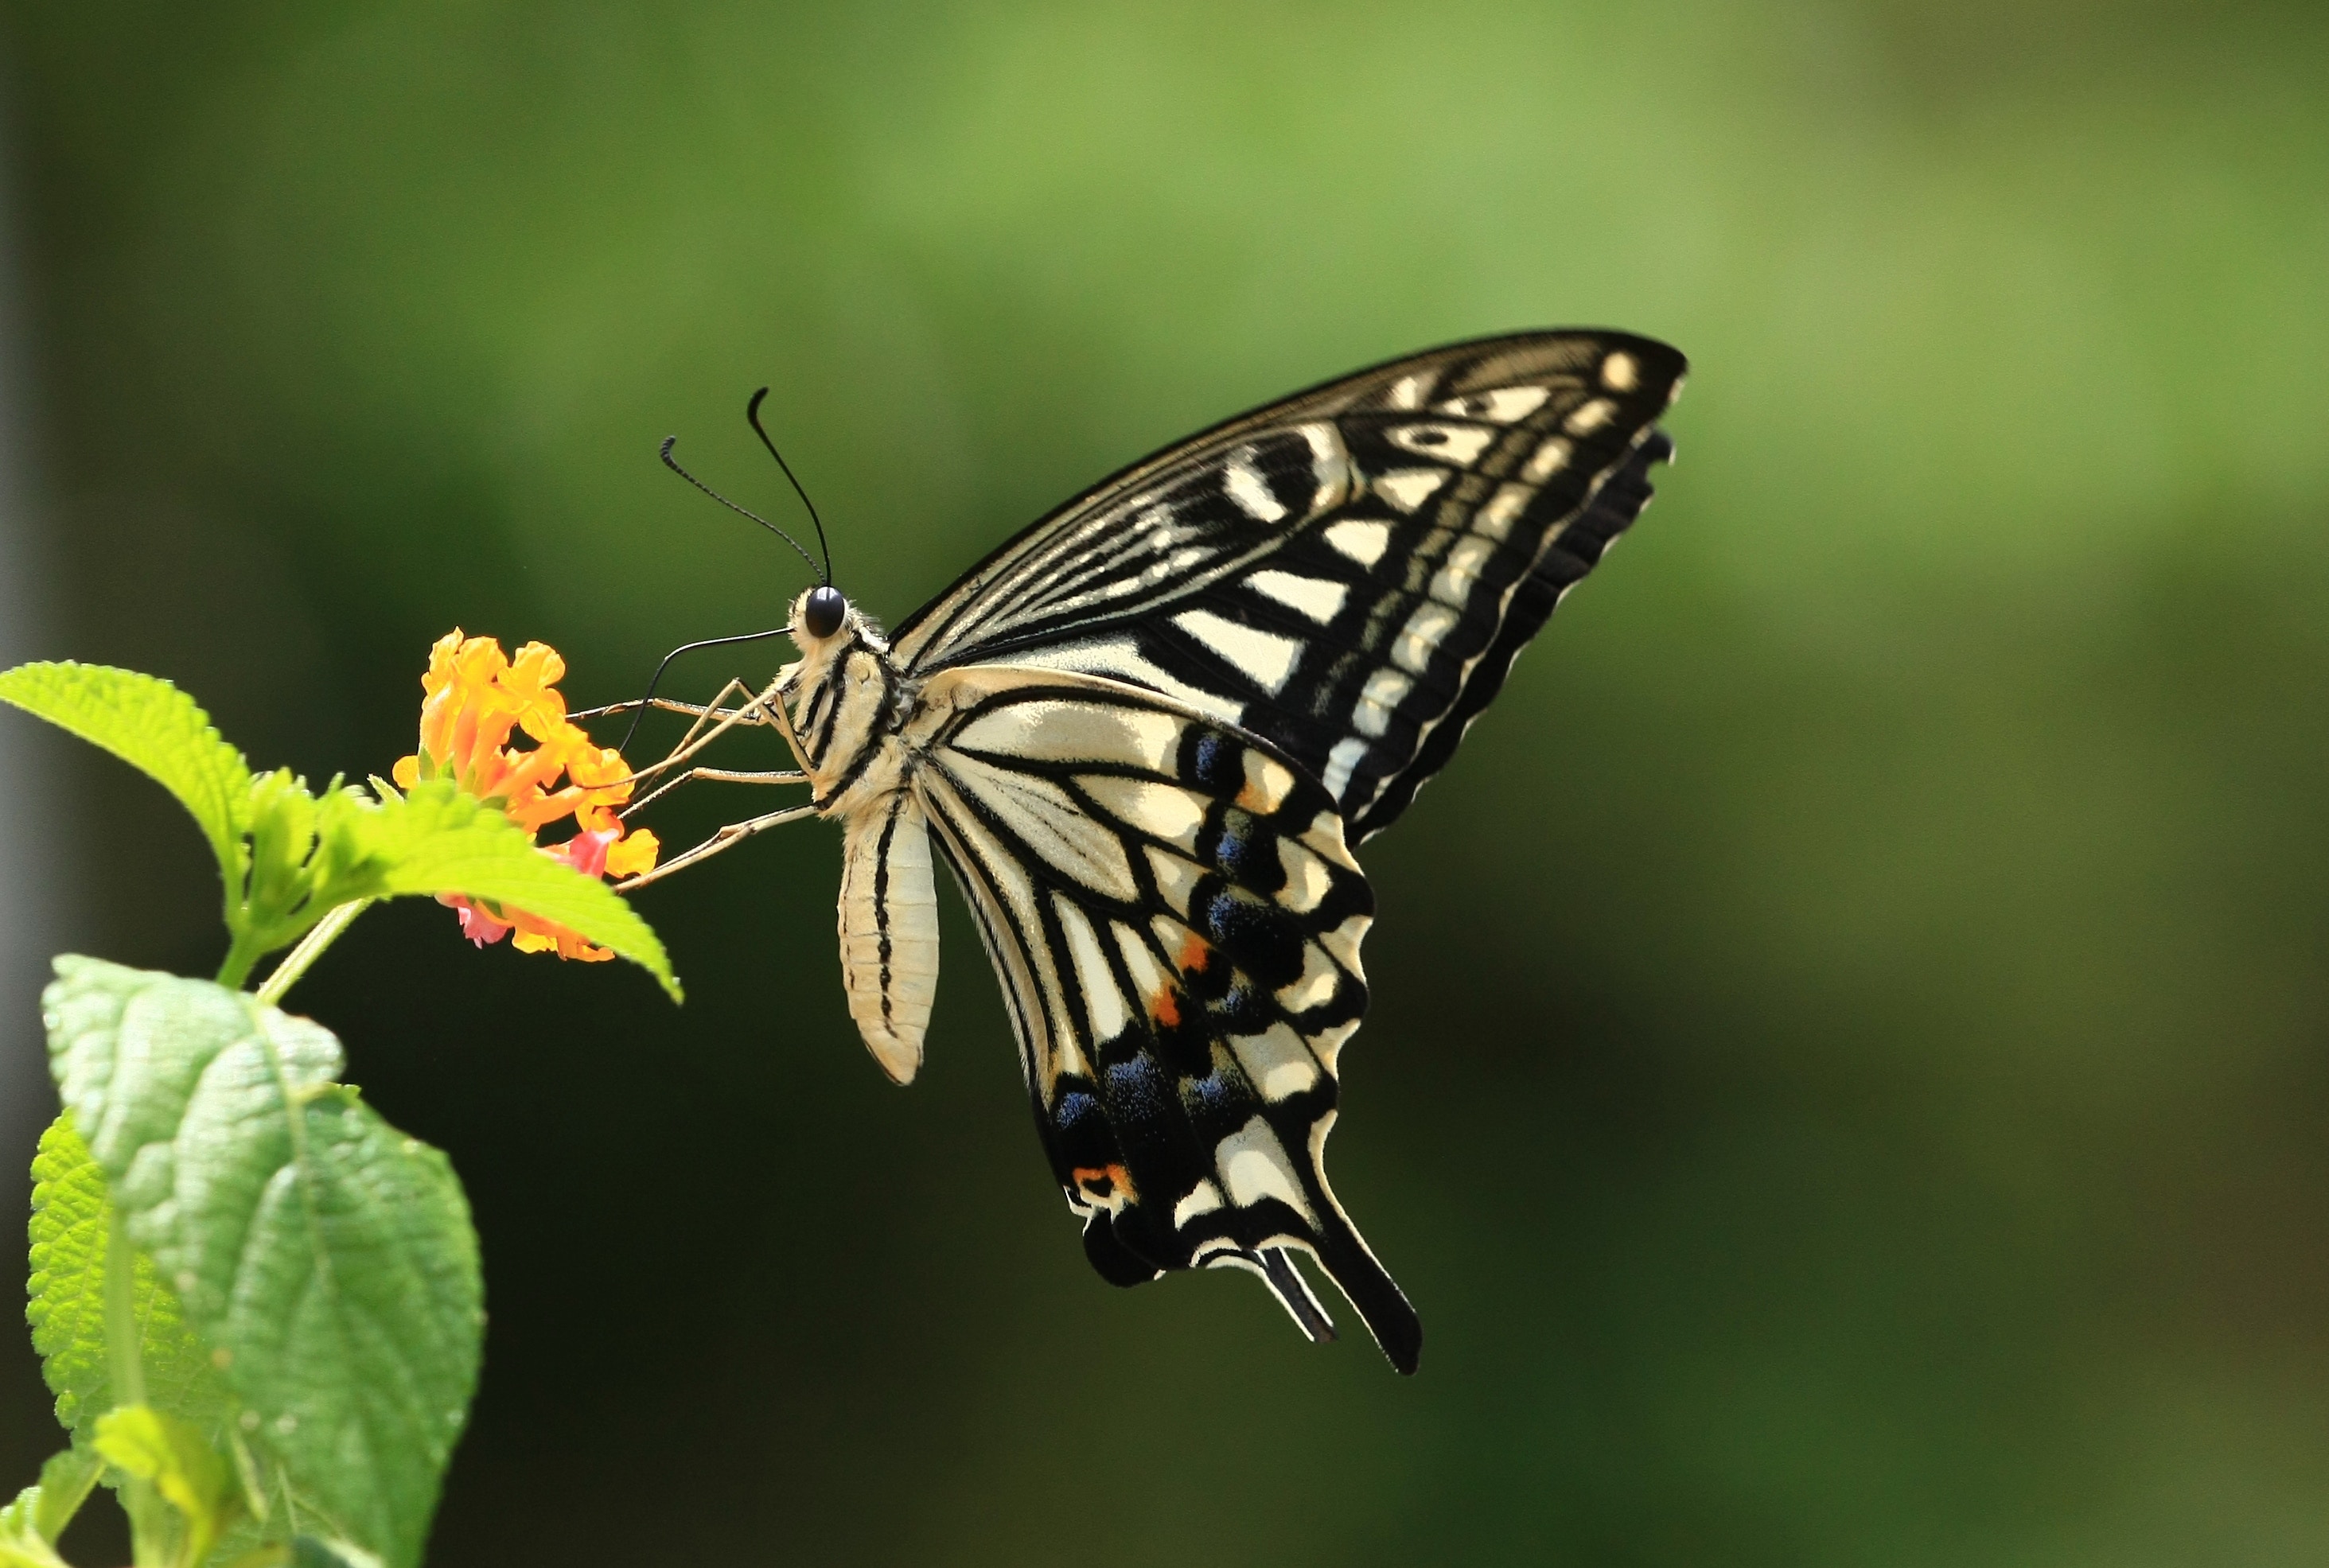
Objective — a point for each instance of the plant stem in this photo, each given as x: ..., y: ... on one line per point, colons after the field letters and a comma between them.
x: 126, y: 1366
x: 121, y: 1337
x: 311, y: 947
x: 236, y: 967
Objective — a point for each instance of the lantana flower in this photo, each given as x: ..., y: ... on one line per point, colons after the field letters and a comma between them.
x: 474, y: 697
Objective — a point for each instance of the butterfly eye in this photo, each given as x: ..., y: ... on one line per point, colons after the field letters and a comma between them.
x: 822, y: 615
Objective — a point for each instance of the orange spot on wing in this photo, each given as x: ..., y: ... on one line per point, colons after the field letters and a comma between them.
x: 1104, y: 1181
x: 1195, y: 955
x: 1251, y: 799
x: 1164, y: 1007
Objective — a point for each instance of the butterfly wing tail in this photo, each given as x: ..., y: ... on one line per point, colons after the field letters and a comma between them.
x: 1373, y: 1294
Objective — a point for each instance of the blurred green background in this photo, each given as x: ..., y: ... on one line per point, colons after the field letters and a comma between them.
x: 1848, y: 1079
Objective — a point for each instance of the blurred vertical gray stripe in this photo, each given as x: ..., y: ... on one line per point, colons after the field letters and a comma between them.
x: 33, y: 923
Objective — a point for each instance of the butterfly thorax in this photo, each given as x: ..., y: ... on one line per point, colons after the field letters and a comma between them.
x: 848, y: 700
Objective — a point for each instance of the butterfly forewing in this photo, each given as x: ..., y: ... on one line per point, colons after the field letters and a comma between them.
x: 1573, y: 550
x: 1347, y: 574
x: 1177, y: 921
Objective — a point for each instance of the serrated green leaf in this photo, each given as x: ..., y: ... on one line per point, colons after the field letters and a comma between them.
x: 154, y: 727
x: 70, y: 1221
x: 307, y: 854
x: 435, y: 840
x: 327, y: 1257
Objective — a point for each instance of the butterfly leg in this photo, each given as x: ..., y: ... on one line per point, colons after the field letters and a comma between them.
x: 719, y: 774
x: 748, y: 713
x: 733, y: 833
x: 700, y: 711
x: 767, y: 707
x: 753, y: 712
x: 772, y: 702
x: 660, y: 705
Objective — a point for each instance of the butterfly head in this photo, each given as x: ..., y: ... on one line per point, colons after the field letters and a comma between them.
x: 819, y: 616
x: 821, y: 611
x: 830, y: 631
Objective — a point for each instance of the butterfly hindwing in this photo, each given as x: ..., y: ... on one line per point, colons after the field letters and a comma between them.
x: 1177, y: 920
x: 1347, y: 574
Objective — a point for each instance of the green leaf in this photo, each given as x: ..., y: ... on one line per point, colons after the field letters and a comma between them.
x: 279, y: 896
x: 327, y: 1258
x: 65, y: 1483
x: 435, y: 840
x: 301, y: 1552
x: 154, y: 727
x: 70, y: 1218
x: 310, y: 854
x: 30, y: 1526
x: 312, y: 1551
x: 305, y: 853
x: 22, y: 1545
x: 180, y: 1463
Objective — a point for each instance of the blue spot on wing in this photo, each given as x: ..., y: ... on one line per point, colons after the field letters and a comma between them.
x: 1262, y: 938
x: 1137, y: 1088
x: 1219, y: 763
x: 1073, y: 1107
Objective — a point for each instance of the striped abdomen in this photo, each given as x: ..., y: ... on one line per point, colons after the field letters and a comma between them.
x: 890, y: 929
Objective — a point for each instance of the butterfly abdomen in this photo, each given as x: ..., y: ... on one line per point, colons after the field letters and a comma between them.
x: 889, y: 930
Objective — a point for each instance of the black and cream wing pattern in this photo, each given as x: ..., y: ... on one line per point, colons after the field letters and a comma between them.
x: 1145, y: 736
x: 1347, y: 574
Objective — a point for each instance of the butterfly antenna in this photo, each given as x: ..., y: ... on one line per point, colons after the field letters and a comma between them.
x: 673, y: 464
x: 752, y: 413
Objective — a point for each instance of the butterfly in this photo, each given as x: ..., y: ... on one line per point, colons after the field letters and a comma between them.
x: 1145, y: 737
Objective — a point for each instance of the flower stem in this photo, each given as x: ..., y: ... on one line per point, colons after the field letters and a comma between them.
x: 311, y: 947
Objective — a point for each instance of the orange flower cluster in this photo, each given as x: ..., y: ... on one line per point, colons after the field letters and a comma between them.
x: 474, y: 697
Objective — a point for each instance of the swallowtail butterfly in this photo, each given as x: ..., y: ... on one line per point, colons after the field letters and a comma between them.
x: 1145, y: 734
